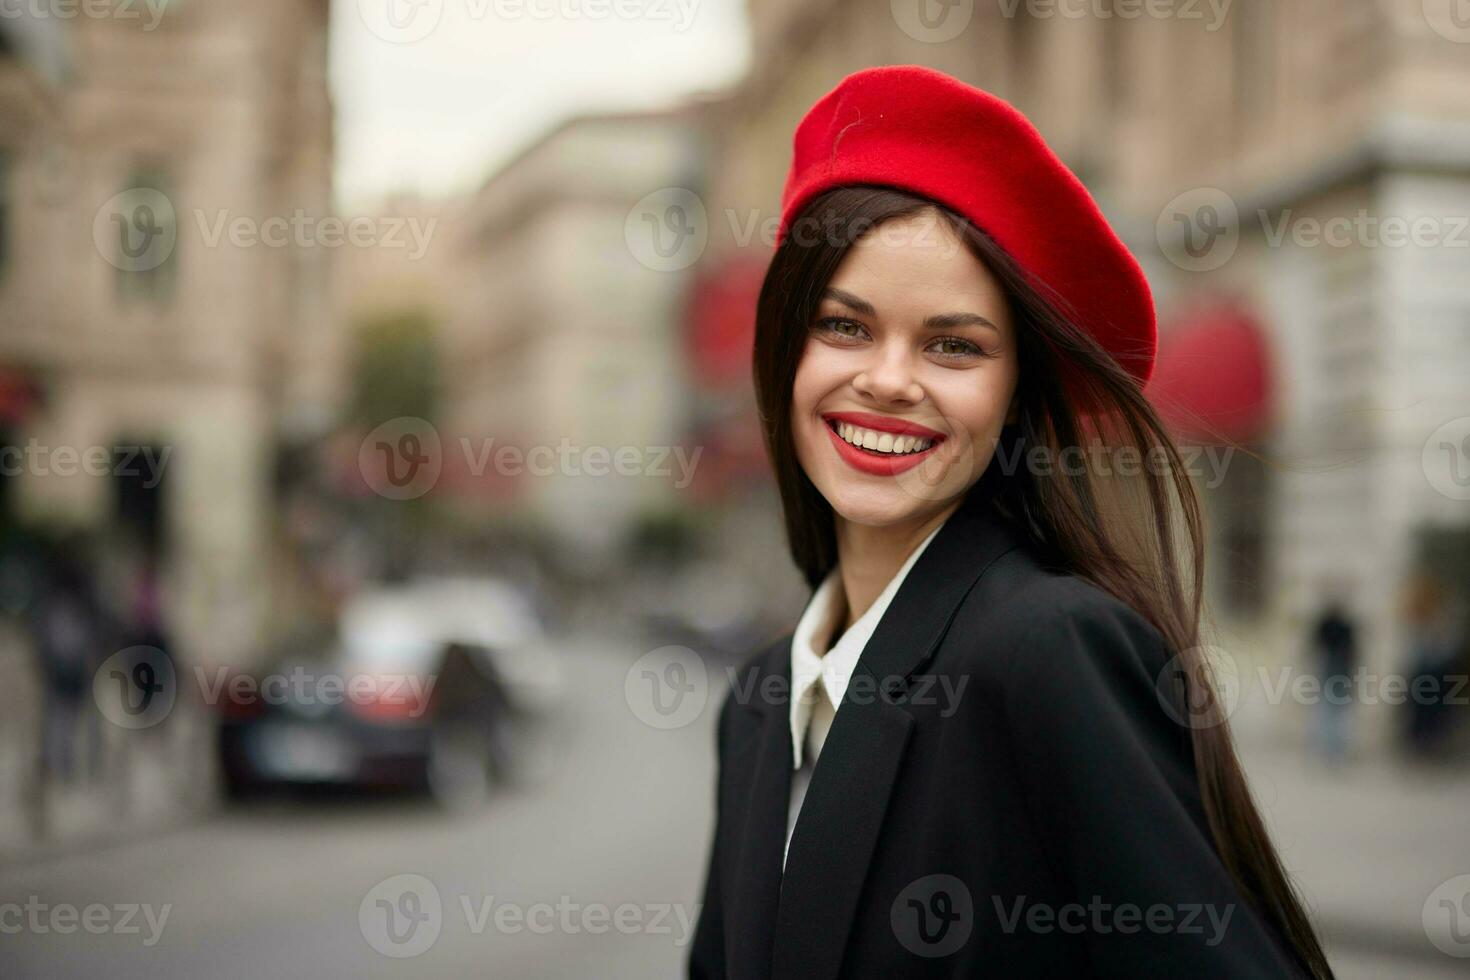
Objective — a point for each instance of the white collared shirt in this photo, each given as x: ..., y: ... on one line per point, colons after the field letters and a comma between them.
x: 818, y: 682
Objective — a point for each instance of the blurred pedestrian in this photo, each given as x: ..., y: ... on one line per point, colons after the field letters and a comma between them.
x: 145, y: 614
x: 67, y: 626
x: 1335, y: 650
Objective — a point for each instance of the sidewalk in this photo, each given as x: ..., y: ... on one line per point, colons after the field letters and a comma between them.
x: 1367, y: 843
x: 147, y: 780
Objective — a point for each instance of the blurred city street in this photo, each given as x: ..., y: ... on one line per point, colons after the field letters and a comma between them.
x: 274, y: 889
x: 405, y: 348
x: 619, y: 815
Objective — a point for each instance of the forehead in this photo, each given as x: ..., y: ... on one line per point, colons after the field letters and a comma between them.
x: 918, y: 264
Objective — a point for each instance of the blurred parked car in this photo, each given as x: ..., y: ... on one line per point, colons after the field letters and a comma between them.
x: 433, y: 685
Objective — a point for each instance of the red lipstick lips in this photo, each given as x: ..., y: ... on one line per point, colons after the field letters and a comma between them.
x: 876, y: 463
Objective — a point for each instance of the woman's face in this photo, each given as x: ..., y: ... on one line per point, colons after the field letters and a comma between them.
x: 911, y: 356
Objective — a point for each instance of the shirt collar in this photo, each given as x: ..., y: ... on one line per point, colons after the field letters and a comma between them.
x: 836, y: 666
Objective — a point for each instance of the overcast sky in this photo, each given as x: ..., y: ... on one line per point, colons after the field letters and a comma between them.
x: 432, y: 94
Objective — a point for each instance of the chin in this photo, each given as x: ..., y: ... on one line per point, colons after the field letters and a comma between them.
x: 881, y: 501
x: 882, y: 508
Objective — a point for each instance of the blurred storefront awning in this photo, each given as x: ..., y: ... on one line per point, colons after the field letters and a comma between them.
x: 1213, y: 380
x: 19, y: 396
x: 721, y: 320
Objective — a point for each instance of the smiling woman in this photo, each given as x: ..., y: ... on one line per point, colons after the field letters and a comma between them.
x: 966, y: 301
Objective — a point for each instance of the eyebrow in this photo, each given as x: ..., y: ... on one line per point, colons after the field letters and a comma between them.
x: 941, y: 321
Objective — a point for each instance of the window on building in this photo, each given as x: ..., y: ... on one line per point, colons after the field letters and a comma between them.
x: 143, y: 233
x: 1241, y: 510
x: 1253, y: 47
x: 139, y: 491
x: 6, y: 198
x: 9, y: 447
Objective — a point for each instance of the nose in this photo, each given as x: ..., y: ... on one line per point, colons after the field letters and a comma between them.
x: 889, y: 378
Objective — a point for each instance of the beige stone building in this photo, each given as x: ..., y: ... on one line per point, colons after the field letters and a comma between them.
x: 563, y: 336
x: 1222, y: 142
x: 164, y: 284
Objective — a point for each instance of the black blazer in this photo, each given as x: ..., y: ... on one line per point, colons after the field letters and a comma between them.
x: 1005, y: 792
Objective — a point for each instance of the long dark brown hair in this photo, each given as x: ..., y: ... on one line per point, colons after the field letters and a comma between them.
x: 1141, y: 540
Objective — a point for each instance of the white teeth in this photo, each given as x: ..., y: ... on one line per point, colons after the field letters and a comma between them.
x: 882, y: 442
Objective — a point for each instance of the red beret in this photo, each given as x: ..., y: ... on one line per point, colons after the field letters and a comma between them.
x: 920, y: 130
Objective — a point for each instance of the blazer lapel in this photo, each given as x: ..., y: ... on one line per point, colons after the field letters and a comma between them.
x: 766, y: 753
x: 836, y: 832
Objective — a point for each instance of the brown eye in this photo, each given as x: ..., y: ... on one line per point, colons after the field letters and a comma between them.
x: 842, y: 327
x: 958, y: 347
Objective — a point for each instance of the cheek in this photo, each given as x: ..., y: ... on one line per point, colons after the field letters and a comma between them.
x: 977, y: 403
x: 816, y: 375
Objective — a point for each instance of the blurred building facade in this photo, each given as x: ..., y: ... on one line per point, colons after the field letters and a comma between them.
x: 559, y: 341
x: 134, y: 319
x: 1216, y: 149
